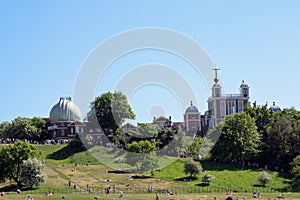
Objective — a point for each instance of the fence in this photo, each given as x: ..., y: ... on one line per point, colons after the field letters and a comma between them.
x: 174, y: 190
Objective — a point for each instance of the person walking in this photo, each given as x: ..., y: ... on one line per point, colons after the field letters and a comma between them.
x: 121, y: 194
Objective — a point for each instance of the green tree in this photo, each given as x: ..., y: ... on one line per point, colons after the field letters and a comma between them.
x: 284, y: 141
x: 239, y: 139
x: 295, y: 165
x: 264, y: 178
x: 142, y: 155
x: 147, y: 131
x: 264, y: 118
x: 32, y: 172
x: 192, y: 168
x: 177, y: 145
x: 24, y: 128
x: 194, y: 149
x: 4, y: 127
x: 109, y: 111
x: 12, y: 158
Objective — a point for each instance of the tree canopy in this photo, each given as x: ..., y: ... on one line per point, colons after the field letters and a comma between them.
x: 192, y: 168
x: 23, y: 128
x: 32, y: 172
x: 239, y: 139
x: 12, y: 158
x: 143, y: 155
x: 109, y: 111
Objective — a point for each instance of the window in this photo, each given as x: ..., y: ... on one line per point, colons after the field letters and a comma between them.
x: 222, y: 108
x: 240, y: 106
x: 193, y: 125
x: 245, y: 92
x: 62, y: 132
x: 218, y: 92
x: 231, y: 107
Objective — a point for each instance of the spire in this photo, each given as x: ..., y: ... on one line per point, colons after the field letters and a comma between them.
x: 216, y: 80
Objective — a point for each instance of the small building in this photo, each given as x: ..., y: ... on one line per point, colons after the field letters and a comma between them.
x: 192, y: 120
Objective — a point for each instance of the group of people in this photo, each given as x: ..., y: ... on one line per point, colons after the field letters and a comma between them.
x: 49, y: 141
x: 113, y: 189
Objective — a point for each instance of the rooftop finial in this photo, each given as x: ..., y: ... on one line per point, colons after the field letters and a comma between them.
x: 273, y: 103
x: 191, y: 103
x: 216, y: 80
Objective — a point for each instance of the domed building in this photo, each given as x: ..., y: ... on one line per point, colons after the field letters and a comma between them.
x: 275, y: 108
x: 65, y: 117
x: 192, y: 120
x: 65, y: 110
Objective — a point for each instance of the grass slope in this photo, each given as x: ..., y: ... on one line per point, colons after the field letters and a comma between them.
x: 59, y: 169
x: 225, y: 177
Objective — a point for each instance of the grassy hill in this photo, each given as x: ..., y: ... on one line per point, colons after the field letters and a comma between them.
x: 63, y: 164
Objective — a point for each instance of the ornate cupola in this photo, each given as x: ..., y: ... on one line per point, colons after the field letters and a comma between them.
x: 244, y: 89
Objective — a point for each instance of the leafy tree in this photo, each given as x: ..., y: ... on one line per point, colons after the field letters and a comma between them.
x: 150, y: 163
x: 199, y: 148
x: 264, y: 118
x: 295, y: 165
x: 31, y: 173
x: 147, y: 131
x: 109, y: 111
x: 207, y: 178
x: 142, y: 155
x: 193, y: 168
x: 4, y: 127
x: 284, y: 141
x: 12, y: 158
x: 40, y: 125
x: 239, y: 139
x: 264, y: 178
x: 166, y: 135
x: 177, y: 145
x: 24, y: 128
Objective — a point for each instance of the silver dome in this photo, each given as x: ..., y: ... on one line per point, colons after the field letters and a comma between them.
x: 65, y: 110
x: 192, y: 109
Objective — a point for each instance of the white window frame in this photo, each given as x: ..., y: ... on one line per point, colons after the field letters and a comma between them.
x: 194, y: 125
x: 222, y: 108
x: 240, y: 106
x: 231, y: 107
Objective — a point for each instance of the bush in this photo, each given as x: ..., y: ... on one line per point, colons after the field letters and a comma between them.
x: 264, y: 178
x: 31, y: 173
x: 193, y: 168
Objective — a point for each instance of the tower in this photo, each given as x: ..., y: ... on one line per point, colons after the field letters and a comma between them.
x: 244, y: 89
x: 216, y: 89
x: 192, y: 120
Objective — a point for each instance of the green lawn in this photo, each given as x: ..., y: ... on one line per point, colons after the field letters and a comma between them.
x: 226, y: 177
x: 60, y: 161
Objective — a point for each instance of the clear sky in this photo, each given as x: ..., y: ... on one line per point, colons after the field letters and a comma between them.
x: 44, y: 44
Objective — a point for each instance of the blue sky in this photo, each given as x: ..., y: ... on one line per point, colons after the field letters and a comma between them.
x: 44, y: 44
